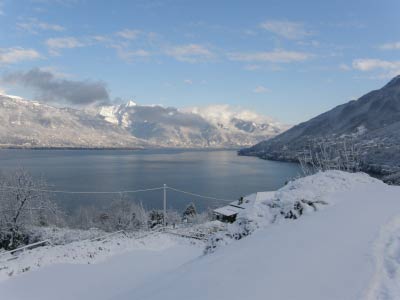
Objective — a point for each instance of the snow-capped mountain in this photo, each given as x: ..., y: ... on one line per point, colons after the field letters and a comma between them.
x: 213, y: 126
x: 25, y: 123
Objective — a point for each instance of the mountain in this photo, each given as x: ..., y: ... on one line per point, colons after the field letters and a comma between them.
x: 25, y: 123
x: 214, y: 126
x: 372, y: 122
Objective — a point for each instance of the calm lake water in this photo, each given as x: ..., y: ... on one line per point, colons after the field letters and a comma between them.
x: 220, y: 174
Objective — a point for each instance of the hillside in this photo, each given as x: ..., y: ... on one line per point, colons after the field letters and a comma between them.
x: 372, y: 122
x: 347, y: 248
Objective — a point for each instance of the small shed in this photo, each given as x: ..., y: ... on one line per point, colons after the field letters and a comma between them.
x: 226, y: 213
x: 229, y: 212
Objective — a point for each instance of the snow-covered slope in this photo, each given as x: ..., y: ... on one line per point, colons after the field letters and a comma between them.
x: 32, y: 124
x: 347, y: 248
x: 213, y: 126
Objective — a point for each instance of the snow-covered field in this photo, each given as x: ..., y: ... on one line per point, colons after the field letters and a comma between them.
x: 332, y: 235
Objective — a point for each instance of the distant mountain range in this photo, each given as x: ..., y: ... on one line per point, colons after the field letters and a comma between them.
x: 372, y: 122
x: 25, y: 123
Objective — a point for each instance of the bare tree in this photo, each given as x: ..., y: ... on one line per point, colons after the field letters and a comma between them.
x: 24, y: 202
x: 324, y: 154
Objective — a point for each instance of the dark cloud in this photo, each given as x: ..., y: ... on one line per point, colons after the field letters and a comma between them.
x: 50, y: 88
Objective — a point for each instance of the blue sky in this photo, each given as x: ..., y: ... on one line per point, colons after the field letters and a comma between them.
x: 287, y: 59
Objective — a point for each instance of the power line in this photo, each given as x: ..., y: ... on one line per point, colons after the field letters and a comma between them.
x: 76, y: 192
x: 200, y: 196
x: 5, y: 188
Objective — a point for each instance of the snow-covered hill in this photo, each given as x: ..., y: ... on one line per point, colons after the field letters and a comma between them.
x: 25, y: 123
x: 213, y: 126
x: 347, y: 247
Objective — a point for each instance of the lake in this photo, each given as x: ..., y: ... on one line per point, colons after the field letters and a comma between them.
x: 219, y: 174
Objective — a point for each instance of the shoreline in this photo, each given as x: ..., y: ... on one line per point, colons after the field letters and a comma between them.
x: 121, y: 148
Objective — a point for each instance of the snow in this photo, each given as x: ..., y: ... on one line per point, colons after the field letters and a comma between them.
x: 227, y: 210
x: 348, y: 247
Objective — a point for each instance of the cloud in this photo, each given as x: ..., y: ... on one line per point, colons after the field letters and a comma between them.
x: 191, y: 53
x: 129, y: 55
x: 344, y: 67
x: 276, y: 56
x: 55, y: 44
x: 373, y: 64
x: 390, y: 46
x: 17, y: 54
x: 260, y: 90
x: 50, y: 88
x: 34, y: 25
x: 388, y: 69
x: 252, y: 67
x: 224, y: 113
x: 286, y: 29
x: 129, y: 34
x: 188, y: 81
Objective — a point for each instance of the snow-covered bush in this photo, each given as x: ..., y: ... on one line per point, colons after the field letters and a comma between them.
x: 120, y: 214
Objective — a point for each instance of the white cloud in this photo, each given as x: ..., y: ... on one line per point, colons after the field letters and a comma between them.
x: 276, y: 56
x: 190, y: 53
x: 373, y: 64
x: 55, y: 44
x: 129, y: 34
x: 286, y: 29
x: 129, y: 55
x: 33, y: 25
x: 188, y: 81
x: 390, y: 46
x: 260, y: 89
x: 14, y: 55
x: 388, y: 69
x: 344, y: 67
x: 224, y: 113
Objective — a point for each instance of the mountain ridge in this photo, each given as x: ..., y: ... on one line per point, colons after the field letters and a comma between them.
x: 31, y: 124
x: 372, y: 122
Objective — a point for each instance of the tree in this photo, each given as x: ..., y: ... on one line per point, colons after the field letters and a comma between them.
x: 24, y: 202
x: 124, y: 214
x: 156, y: 218
x: 190, y: 213
x: 325, y: 154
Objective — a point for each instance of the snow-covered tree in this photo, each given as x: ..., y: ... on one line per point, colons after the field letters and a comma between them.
x: 190, y: 213
x: 24, y: 203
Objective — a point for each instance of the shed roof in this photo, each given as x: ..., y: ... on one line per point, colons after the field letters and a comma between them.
x: 227, y: 210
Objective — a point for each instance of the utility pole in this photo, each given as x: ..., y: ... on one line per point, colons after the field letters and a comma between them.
x: 165, y: 205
